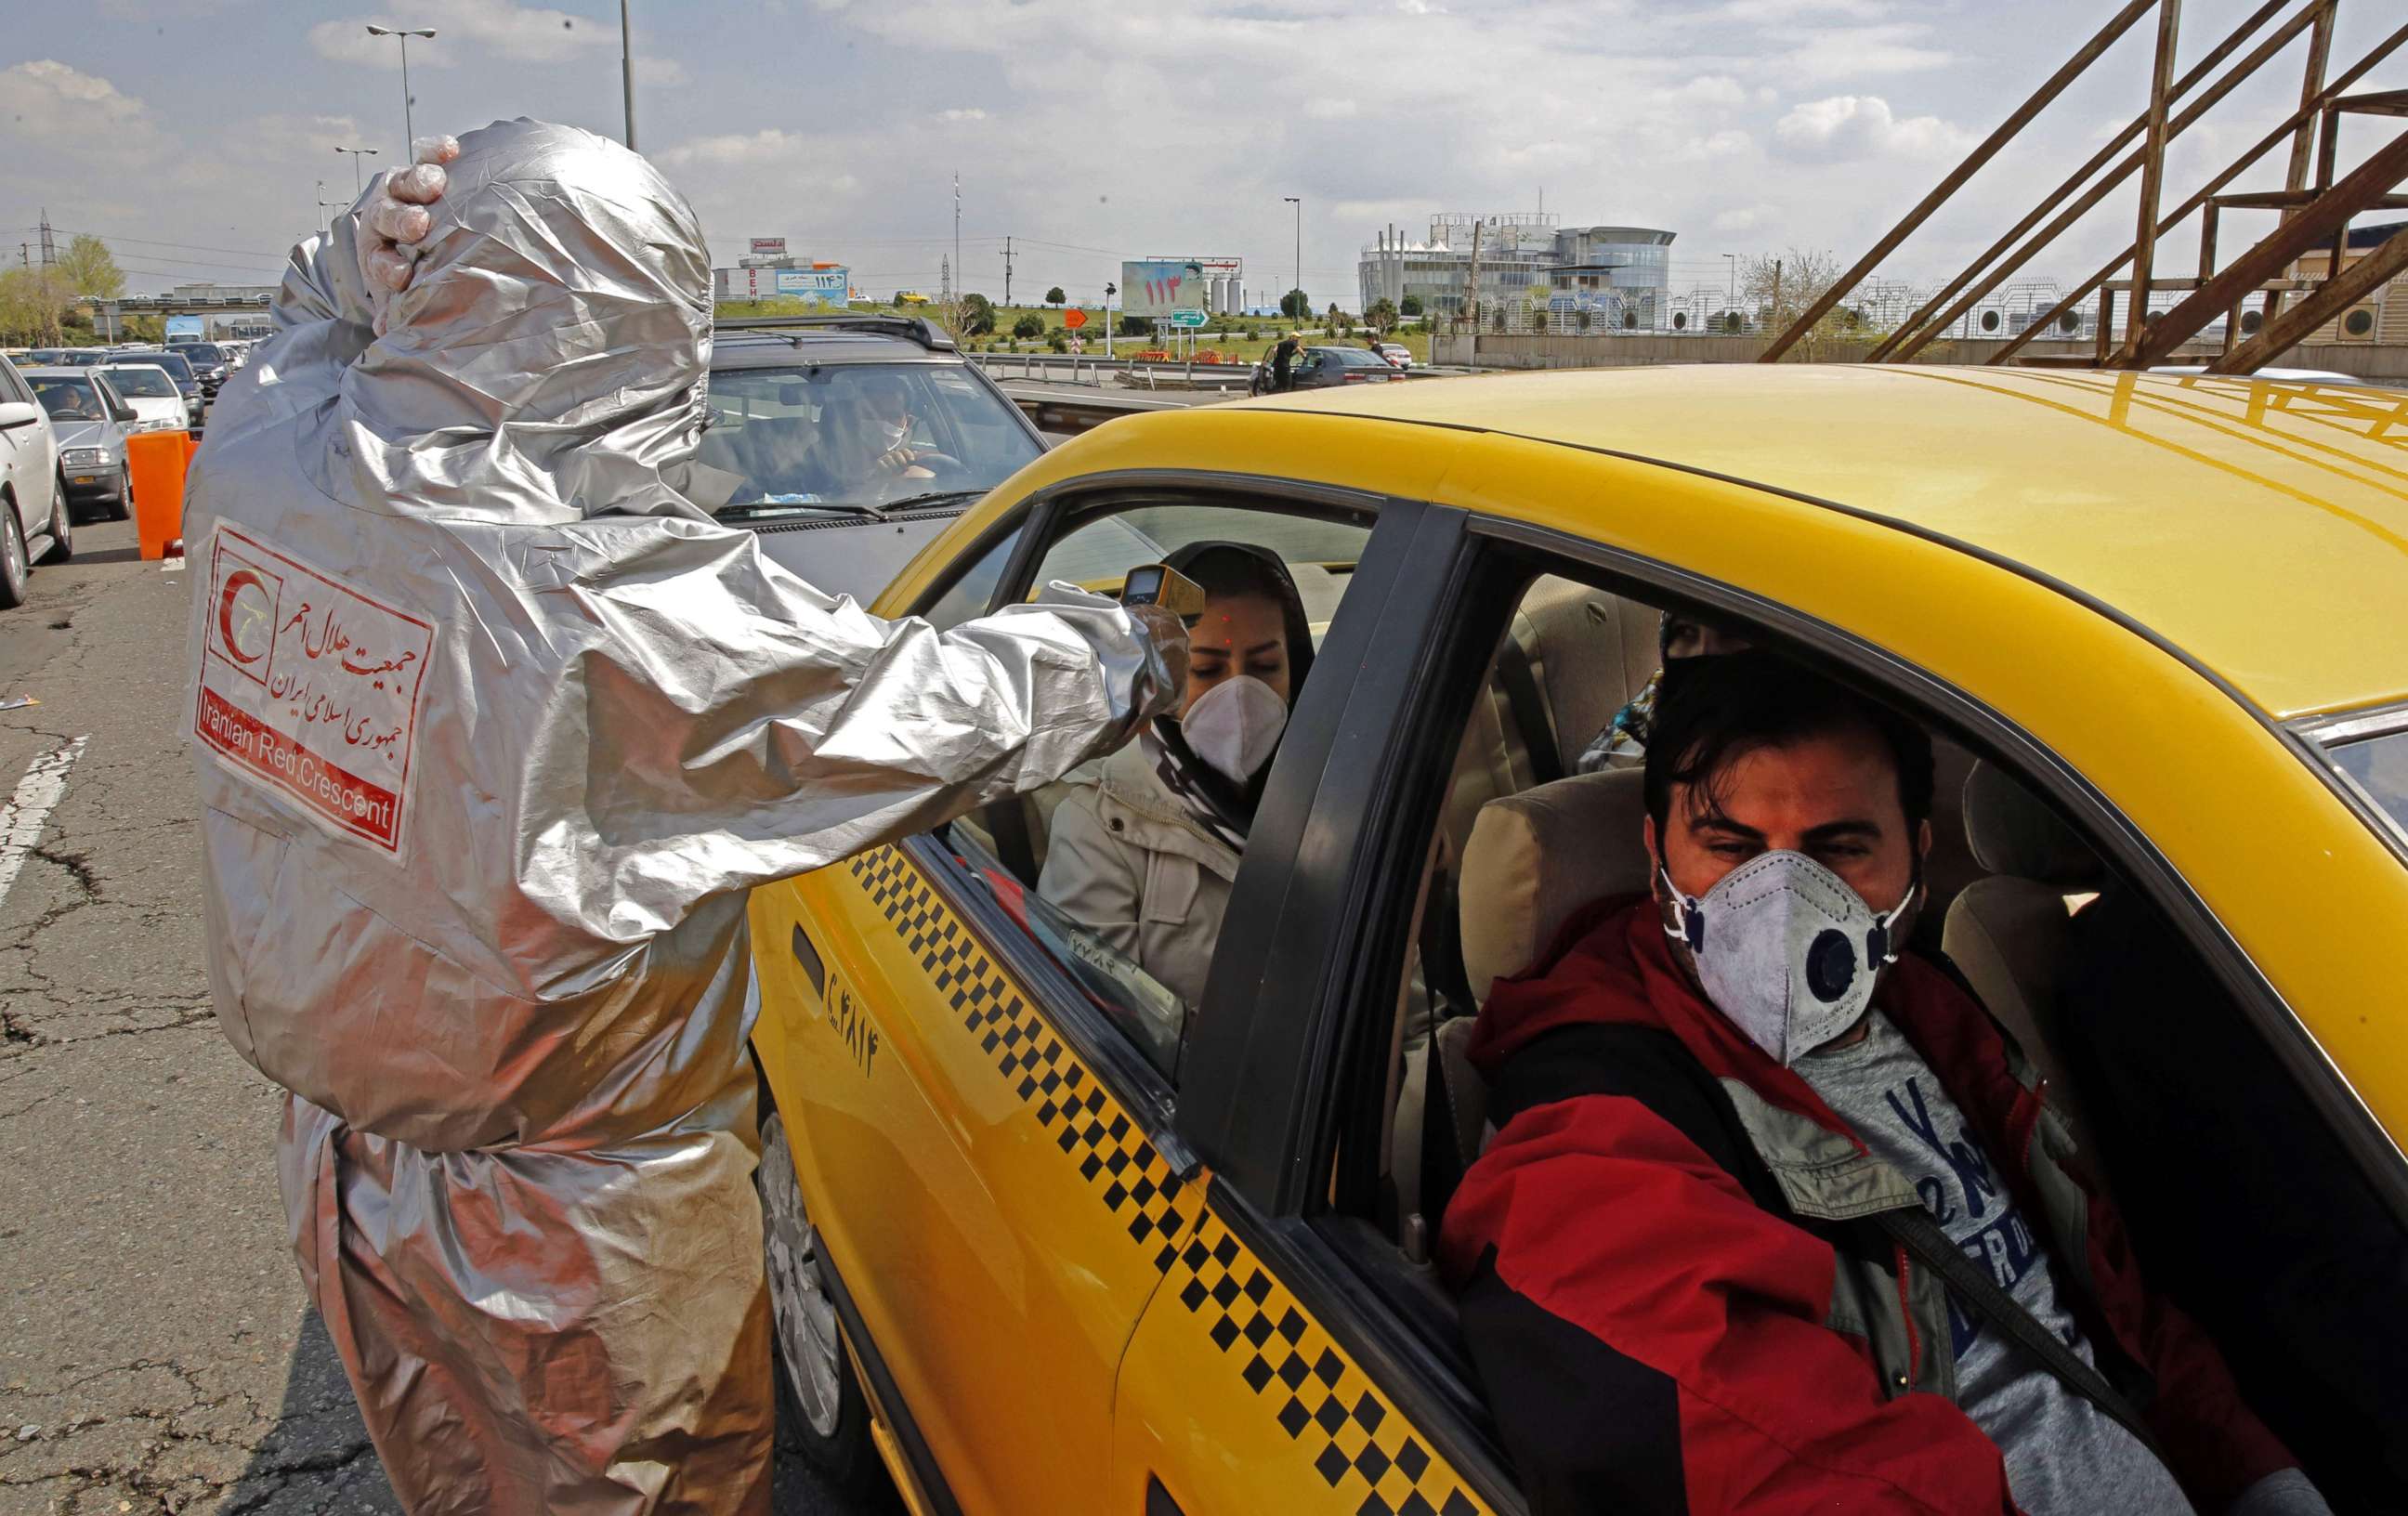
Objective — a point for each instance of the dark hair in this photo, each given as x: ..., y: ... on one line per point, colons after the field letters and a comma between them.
x: 1713, y: 711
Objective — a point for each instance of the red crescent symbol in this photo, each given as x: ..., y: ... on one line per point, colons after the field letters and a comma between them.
x: 234, y: 584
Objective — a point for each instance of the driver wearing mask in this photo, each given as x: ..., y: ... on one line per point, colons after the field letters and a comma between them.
x: 867, y: 437
x: 1774, y: 1218
x: 1143, y: 853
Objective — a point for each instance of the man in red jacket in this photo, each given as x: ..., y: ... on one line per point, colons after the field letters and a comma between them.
x: 1715, y: 1258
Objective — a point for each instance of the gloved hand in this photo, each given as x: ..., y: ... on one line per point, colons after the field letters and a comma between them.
x: 397, y: 221
x: 1168, y: 634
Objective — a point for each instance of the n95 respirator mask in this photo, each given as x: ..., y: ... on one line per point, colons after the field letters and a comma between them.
x: 1786, y: 950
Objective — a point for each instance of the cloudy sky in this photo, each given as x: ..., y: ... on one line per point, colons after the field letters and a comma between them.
x: 192, y: 133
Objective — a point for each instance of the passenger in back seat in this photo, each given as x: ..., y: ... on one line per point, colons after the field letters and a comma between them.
x: 1715, y: 1257
x: 1143, y: 850
x: 1624, y: 741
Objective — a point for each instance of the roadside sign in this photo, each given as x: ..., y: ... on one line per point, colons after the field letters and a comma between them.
x: 1074, y: 318
x: 1187, y: 318
x: 1078, y: 344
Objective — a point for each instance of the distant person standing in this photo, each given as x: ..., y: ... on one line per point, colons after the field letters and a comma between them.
x: 1283, y: 362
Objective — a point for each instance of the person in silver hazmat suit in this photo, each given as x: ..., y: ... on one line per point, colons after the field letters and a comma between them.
x: 494, y: 730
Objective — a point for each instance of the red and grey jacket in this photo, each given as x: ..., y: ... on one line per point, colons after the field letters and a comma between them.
x: 1673, y: 1292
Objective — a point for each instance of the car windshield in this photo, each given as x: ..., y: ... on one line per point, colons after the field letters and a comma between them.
x: 172, y: 362
x: 147, y: 382
x: 201, y: 353
x: 854, y: 436
x: 1358, y: 357
x: 68, y: 399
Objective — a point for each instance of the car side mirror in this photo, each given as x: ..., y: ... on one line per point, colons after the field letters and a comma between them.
x: 16, y: 413
x: 119, y: 411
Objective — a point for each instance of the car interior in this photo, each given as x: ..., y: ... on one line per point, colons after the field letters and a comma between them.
x: 1519, y: 841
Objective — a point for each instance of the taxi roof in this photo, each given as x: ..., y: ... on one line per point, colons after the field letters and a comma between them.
x: 2260, y: 527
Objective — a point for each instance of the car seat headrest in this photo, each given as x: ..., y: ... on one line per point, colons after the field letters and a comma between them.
x: 2010, y: 832
x: 1537, y: 857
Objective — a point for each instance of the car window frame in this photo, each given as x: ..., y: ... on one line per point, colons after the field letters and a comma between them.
x: 1040, y: 520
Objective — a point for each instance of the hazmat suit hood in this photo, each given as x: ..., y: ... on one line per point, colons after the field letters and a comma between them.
x: 495, y: 732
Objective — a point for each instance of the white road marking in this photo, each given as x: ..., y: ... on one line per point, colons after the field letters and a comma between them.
x: 23, y: 818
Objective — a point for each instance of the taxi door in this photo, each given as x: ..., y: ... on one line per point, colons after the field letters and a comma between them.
x: 1266, y: 1375
x: 993, y: 1211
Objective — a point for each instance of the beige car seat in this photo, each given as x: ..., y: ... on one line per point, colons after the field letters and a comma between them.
x: 2010, y: 933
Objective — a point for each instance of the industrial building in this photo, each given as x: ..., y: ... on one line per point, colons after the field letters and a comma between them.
x: 1533, y: 272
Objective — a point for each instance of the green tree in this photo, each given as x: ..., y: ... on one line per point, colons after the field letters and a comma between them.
x: 978, y: 315
x: 1381, y: 317
x: 1539, y: 320
x: 1031, y: 325
x: 1411, y: 305
x: 90, y: 269
x: 1296, y: 305
x: 1137, y: 326
x: 1055, y: 297
x: 1059, y: 340
x: 898, y: 299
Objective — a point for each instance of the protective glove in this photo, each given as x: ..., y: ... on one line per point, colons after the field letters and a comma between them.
x: 397, y: 221
x: 1168, y: 635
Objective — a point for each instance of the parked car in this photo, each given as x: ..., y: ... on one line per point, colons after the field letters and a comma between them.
x: 83, y: 357
x: 179, y: 374
x: 1397, y: 354
x: 801, y: 409
x: 158, y: 404
x: 1042, y: 1237
x: 211, y: 365
x: 91, y: 421
x: 34, y: 525
x: 1329, y: 368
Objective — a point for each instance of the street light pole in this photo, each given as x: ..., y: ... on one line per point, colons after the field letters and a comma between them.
x: 357, y: 153
x: 1298, y: 201
x: 627, y: 71
x: 1732, y: 259
x: 409, y: 128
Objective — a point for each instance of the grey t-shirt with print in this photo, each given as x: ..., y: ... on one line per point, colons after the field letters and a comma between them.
x: 2064, y: 1455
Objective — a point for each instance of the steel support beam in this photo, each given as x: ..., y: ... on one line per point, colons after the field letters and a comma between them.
x: 2099, y: 160
x: 2329, y: 214
x: 2153, y: 173
x: 2233, y: 78
x: 2239, y: 166
x: 2090, y: 53
x: 2345, y: 289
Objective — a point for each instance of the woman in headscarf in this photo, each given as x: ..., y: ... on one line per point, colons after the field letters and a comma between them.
x: 1622, y: 744
x: 1143, y: 852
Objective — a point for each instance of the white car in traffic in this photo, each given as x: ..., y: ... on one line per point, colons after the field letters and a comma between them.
x: 33, y: 498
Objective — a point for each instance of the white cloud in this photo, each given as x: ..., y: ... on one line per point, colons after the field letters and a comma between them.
x: 1743, y: 218
x: 465, y: 29
x: 47, y: 97
x: 962, y: 113
x: 1711, y: 89
x: 663, y: 73
x: 1341, y: 110
x: 1838, y: 54
x: 1846, y: 127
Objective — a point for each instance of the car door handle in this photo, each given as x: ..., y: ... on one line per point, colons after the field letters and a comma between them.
x: 808, y: 956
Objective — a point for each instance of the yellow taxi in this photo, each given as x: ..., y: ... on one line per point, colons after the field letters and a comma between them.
x: 1045, y: 1236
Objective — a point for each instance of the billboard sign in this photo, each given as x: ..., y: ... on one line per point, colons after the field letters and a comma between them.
x: 823, y: 286
x: 1159, y: 286
x: 769, y: 247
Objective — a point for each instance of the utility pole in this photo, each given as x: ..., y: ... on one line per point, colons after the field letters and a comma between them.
x: 957, y: 230
x: 49, y: 250
x: 1776, y: 293
x: 627, y: 71
x: 1006, y: 271
x: 1304, y: 307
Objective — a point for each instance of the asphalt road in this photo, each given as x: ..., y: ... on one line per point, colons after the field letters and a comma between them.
x: 156, y: 1352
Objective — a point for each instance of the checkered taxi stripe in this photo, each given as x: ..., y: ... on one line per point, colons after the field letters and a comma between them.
x: 1354, y: 1439
x: 1133, y: 1181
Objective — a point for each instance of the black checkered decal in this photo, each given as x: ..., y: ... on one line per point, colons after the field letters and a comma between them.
x: 1133, y: 1181
x: 1353, y: 1438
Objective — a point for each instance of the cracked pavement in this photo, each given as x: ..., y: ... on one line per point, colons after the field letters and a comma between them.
x: 156, y: 1351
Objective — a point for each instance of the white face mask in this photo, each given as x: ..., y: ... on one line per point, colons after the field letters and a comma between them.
x: 1235, y: 726
x: 1786, y: 950
x: 894, y: 431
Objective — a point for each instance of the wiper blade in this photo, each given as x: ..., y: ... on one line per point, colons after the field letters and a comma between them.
x: 779, y: 508
x: 933, y: 498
